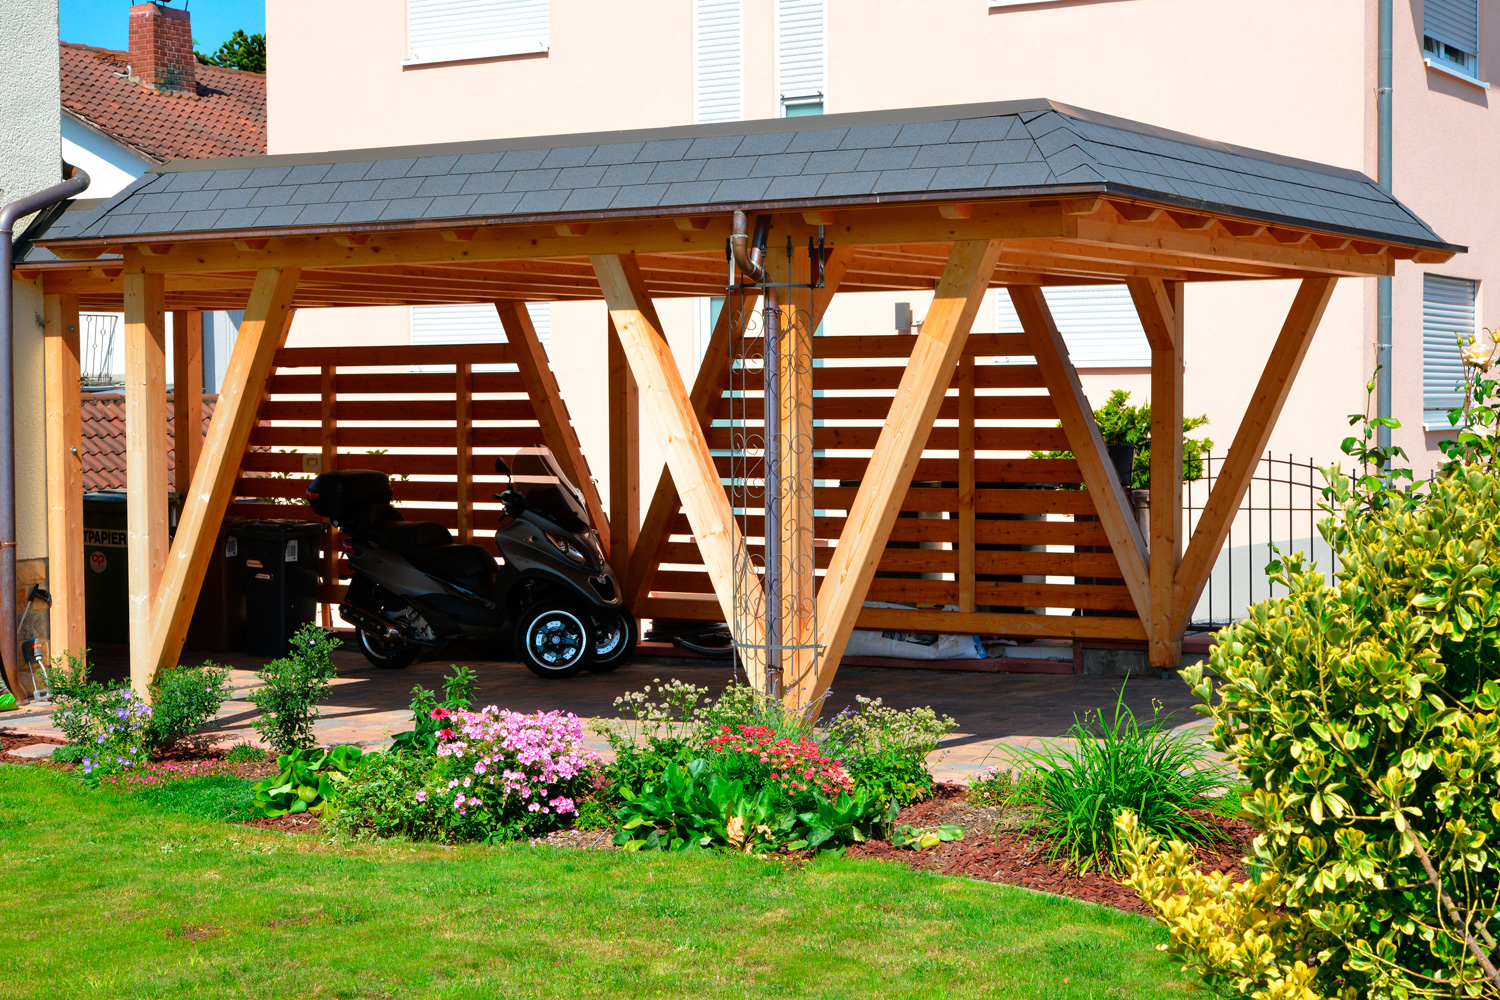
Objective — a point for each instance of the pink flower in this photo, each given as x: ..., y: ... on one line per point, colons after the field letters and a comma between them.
x: 439, y: 713
x: 446, y: 734
x: 422, y: 795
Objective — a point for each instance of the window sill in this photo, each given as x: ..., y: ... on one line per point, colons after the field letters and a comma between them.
x: 539, y: 49
x: 1457, y: 74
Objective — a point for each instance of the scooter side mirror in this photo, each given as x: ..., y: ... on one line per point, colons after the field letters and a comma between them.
x: 503, y: 469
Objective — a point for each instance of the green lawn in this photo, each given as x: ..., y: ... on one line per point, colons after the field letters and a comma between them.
x: 106, y: 897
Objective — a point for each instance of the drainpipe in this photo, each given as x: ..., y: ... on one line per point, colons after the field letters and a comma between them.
x: 75, y: 184
x: 1383, y: 177
x: 748, y: 255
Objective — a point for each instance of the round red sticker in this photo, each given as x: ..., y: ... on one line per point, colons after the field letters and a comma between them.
x: 97, y: 561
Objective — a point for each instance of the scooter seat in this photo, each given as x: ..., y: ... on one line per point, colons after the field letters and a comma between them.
x: 407, y: 535
x: 470, y: 566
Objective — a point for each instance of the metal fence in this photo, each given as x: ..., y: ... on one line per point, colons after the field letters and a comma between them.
x: 1280, y: 514
x: 97, y: 346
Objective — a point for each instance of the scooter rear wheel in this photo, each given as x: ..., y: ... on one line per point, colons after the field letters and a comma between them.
x: 614, y: 640
x: 553, y: 641
x: 388, y: 654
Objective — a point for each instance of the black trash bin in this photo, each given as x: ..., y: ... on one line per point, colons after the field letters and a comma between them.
x: 218, y: 624
x: 281, y: 581
x: 106, y: 582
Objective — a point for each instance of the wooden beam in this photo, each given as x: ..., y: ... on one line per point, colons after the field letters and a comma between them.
x: 624, y: 459
x: 1210, y: 245
x: 187, y: 394
x: 558, y: 432
x: 670, y: 411
x: 262, y: 331
x: 145, y: 458
x: 65, y: 565
x: 1161, y: 309
x: 1084, y: 440
x: 463, y: 406
x: 1250, y: 442
x: 967, y: 525
x: 929, y: 370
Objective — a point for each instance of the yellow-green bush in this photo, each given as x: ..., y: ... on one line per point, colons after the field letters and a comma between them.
x: 1362, y: 713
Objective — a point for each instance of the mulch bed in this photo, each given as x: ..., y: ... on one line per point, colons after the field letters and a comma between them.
x: 290, y: 823
x: 11, y: 739
x: 991, y: 853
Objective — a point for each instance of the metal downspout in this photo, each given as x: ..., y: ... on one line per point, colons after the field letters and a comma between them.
x: 1383, y: 177
x: 77, y: 181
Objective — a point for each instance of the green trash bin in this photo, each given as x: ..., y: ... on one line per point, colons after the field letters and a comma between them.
x: 106, y: 586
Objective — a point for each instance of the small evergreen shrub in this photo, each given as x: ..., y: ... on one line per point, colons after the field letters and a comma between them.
x: 388, y: 796
x: 183, y: 700
x: 292, y: 688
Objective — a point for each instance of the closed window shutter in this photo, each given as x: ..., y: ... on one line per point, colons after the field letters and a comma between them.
x: 718, y: 61
x: 1447, y: 315
x: 1098, y: 323
x: 443, y: 30
x: 1453, y: 21
x: 801, y: 50
x: 472, y: 323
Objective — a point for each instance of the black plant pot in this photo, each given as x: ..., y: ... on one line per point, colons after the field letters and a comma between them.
x: 1123, y: 458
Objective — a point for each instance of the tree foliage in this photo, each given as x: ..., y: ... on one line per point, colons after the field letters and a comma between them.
x: 242, y: 51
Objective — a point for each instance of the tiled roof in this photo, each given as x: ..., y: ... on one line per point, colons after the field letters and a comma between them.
x: 104, y: 440
x: 226, y: 117
x: 1022, y: 148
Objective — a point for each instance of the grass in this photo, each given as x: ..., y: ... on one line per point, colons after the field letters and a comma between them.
x: 220, y: 797
x: 112, y: 897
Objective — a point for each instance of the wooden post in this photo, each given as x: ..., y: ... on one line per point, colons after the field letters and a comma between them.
x: 797, y: 603
x: 145, y: 458
x: 1077, y: 419
x: 967, y: 529
x: 328, y: 395
x: 1250, y: 442
x: 1159, y: 304
x: 463, y: 397
x: 624, y: 459
x: 551, y: 412
x: 267, y: 319
x: 669, y: 409
x: 187, y: 394
x: 65, y: 567
x: 934, y: 358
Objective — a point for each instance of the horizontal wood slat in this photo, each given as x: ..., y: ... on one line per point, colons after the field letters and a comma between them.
x: 284, y: 436
x: 941, y: 439
x: 397, y: 409
x: 391, y: 383
x: 405, y: 355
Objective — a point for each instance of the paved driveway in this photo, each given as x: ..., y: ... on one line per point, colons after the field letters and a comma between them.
x: 367, y: 705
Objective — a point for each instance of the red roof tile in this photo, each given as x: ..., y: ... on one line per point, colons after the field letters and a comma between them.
x: 104, y: 440
x: 226, y: 117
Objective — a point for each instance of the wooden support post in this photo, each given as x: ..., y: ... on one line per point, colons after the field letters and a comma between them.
x: 1159, y: 304
x: 934, y: 358
x: 1249, y: 444
x: 670, y: 412
x: 463, y: 398
x: 187, y: 394
x: 328, y: 420
x: 797, y: 602
x: 65, y: 566
x: 967, y: 528
x: 551, y: 412
x: 262, y: 331
x: 145, y: 458
x: 624, y: 459
x: 1077, y: 419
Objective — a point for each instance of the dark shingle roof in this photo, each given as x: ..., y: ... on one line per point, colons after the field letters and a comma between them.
x: 987, y: 150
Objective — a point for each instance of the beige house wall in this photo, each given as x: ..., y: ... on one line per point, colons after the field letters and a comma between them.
x: 1287, y: 76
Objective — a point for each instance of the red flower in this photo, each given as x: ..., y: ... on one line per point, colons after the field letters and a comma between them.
x: 446, y: 734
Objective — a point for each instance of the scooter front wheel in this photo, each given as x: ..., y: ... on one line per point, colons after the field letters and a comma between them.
x: 553, y: 642
x: 615, y: 635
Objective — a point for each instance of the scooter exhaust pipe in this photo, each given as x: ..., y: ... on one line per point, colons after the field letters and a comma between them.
x: 371, y: 623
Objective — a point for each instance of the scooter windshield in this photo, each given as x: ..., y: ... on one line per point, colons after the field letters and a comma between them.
x: 540, y: 481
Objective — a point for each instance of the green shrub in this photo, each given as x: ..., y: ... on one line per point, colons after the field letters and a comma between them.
x: 183, y: 700
x: 387, y: 796
x: 1074, y: 792
x: 292, y: 688
x: 1121, y: 423
x: 306, y: 779
x: 1363, y: 714
x: 995, y: 786
x: 70, y: 753
x: 886, y: 749
x: 244, y: 753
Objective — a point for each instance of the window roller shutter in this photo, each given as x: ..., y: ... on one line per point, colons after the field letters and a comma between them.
x: 1098, y: 323
x: 1453, y: 21
x: 439, y: 30
x: 801, y: 53
x: 718, y: 61
x: 472, y: 323
x: 1447, y: 314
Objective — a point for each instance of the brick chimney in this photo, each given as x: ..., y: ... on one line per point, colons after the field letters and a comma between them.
x: 161, y: 49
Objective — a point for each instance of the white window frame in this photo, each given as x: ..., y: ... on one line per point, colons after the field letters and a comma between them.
x: 1437, y: 58
x: 740, y: 69
x: 788, y: 98
x: 1136, y: 356
x: 479, y: 323
x: 530, y: 45
x: 1436, y: 418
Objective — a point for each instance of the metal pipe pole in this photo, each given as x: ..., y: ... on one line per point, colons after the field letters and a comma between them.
x: 75, y: 184
x: 1383, y: 177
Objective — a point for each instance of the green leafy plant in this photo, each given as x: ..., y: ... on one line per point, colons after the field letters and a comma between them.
x: 307, y: 777
x: 458, y: 693
x: 242, y: 51
x: 387, y: 795
x: 183, y: 700
x: 292, y: 687
x: 1477, y: 418
x: 996, y: 787
x: 886, y: 749
x: 1121, y: 423
x: 244, y: 753
x: 921, y: 838
x: 1114, y: 764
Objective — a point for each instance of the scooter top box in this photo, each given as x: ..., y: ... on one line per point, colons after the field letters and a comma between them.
x: 343, y: 495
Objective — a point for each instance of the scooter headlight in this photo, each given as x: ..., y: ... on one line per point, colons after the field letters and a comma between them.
x: 567, y: 548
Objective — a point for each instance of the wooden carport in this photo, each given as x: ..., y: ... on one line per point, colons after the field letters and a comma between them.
x: 953, y: 200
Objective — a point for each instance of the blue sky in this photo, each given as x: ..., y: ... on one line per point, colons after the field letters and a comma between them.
x: 102, y: 22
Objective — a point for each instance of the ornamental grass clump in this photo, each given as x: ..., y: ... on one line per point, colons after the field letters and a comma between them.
x: 502, y: 774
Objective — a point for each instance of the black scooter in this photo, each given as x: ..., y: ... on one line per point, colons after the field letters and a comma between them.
x: 412, y: 589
